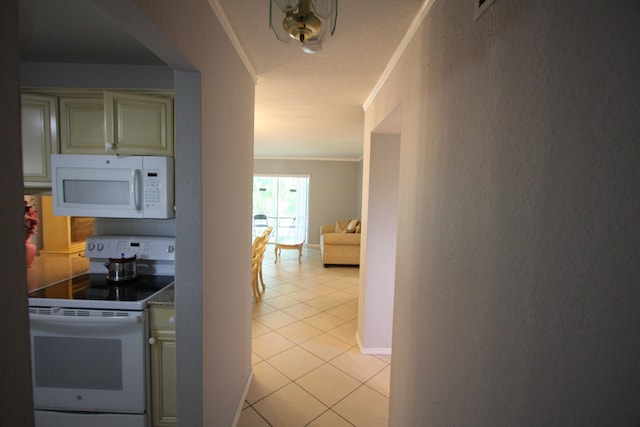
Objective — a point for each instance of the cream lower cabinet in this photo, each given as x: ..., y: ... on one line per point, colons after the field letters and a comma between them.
x: 39, y: 138
x: 163, y: 365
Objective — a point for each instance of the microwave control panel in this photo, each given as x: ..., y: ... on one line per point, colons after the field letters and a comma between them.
x: 152, y: 190
x: 157, y: 187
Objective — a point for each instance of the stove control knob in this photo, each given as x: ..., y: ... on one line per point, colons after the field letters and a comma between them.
x: 152, y: 340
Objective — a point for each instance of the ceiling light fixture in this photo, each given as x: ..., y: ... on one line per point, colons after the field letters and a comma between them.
x: 304, y: 20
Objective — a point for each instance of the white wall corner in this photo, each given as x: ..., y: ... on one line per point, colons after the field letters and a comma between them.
x: 240, y: 407
x: 413, y: 28
x: 224, y: 21
x: 371, y: 350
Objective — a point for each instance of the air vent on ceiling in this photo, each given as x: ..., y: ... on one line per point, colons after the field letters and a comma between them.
x: 480, y: 6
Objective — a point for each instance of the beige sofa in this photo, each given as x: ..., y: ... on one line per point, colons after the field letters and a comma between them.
x: 340, y: 243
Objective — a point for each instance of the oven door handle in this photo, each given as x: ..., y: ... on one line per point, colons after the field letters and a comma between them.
x: 85, y: 320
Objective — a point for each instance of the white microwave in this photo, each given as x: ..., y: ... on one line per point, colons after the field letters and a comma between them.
x: 109, y: 186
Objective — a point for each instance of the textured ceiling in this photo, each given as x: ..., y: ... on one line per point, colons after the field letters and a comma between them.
x: 311, y: 105
x: 307, y: 106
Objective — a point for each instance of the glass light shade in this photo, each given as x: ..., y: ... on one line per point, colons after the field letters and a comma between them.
x: 302, y: 26
x: 287, y: 5
x: 327, y: 9
x: 311, y: 46
x: 304, y: 20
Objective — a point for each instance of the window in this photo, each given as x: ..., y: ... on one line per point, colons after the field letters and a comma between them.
x: 284, y: 201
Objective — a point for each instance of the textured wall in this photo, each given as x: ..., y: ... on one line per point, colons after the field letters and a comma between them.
x: 378, y: 245
x: 517, y: 277
x: 215, y: 162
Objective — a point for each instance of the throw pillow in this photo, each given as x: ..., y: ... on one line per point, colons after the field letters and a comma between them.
x: 351, y: 227
x: 359, y: 228
x: 339, y: 228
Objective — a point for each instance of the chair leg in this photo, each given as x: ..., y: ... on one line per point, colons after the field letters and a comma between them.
x: 255, y: 287
x: 261, y: 278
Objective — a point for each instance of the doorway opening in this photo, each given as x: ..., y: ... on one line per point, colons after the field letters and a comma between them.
x: 281, y: 202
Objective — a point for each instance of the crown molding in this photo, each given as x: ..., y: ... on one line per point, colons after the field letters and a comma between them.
x: 413, y: 28
x: 222, y: 16
x: 322, y: 159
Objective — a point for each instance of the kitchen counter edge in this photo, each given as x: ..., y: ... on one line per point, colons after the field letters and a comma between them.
x: 165, y: 297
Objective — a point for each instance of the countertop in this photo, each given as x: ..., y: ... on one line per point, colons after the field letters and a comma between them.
x: 48, y: 268
x: 164, y: 297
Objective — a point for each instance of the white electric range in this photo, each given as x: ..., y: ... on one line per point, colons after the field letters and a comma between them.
x: 89, y: 337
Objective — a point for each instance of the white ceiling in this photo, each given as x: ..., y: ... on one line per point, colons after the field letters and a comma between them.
x: 307, y: 106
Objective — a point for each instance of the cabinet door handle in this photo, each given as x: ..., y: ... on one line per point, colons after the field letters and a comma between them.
x: 152, y: 340
x: 172, y: 320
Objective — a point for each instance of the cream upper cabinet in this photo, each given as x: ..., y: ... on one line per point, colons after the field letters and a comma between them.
x: 163, y: 366
x: 82, y: 124
x: 138, y: 124
x: 39, y: 138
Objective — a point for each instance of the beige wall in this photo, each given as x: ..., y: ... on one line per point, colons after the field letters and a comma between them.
x: 378, y: 244
x: 517, y: 282
x: 226, y: 163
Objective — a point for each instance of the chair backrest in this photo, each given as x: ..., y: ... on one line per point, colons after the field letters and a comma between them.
x: 260, y: 242
x: 258, y: 249
x: 260, y: 220
x: 267, y: 232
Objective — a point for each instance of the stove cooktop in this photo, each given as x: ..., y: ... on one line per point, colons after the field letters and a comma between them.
x: 93, y: 290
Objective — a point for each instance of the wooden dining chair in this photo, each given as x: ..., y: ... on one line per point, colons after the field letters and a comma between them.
x: 258, y: 249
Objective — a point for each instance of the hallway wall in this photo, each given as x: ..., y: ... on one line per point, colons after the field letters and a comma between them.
x: 517, y: 278
x: 214, y: 156
x: 378, y: 245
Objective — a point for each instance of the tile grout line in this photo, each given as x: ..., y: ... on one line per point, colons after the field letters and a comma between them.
x: 290, y: 283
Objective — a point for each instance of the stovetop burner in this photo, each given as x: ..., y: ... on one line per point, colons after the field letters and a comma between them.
x: 95, y: 287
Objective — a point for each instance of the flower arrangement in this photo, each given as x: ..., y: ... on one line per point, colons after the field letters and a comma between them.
x: 30, y: 220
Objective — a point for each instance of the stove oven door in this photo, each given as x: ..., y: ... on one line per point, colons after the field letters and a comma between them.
x: 89, y: 360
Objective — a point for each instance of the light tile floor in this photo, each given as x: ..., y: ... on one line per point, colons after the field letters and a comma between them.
x: 307, y: 368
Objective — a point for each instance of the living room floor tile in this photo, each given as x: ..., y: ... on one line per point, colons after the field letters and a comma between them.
x: 307, y: 370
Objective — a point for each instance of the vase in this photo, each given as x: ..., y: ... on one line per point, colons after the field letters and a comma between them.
x: 31, y: 252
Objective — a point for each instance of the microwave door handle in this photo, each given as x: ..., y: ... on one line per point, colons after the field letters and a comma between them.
x: 137, y: 188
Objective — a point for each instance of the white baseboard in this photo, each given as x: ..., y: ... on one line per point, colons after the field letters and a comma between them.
x: 371, y: 350
x: 377, y: 350
x: 242, y: 400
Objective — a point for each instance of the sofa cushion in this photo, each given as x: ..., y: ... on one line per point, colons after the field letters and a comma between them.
x: 351, y: 226
x: 341, y: 226
x: 341, y: 239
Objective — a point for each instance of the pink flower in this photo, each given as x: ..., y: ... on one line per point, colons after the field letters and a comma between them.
x: 30, y: 220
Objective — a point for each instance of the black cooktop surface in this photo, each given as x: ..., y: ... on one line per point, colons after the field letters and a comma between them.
x: 95, y: 286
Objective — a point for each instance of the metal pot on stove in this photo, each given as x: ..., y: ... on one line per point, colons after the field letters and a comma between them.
x: 121, y: 269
